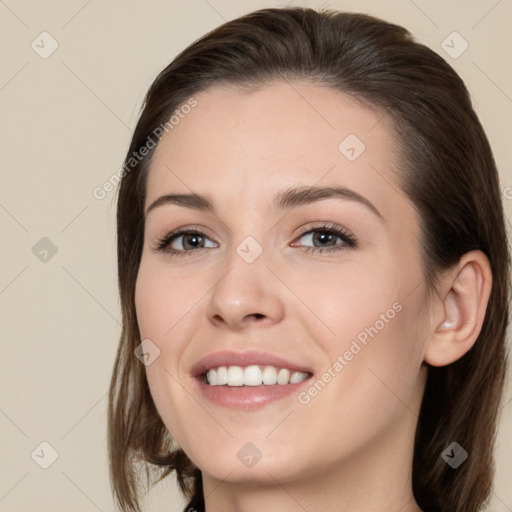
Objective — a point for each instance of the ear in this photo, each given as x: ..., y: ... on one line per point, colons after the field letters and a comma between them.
x: 465, y: 292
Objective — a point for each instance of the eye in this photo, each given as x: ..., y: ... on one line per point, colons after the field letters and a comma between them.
x: 326, y: 238
x: 184, y: 240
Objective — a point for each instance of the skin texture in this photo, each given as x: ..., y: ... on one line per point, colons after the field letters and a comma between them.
x: 350, y: 447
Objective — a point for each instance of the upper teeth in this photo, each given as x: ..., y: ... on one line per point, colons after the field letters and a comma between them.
x: 252, y: 376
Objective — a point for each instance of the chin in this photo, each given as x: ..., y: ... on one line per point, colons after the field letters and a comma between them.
x: 238, y: 461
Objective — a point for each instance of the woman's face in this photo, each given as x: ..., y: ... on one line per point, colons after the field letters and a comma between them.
x: 254, y: 289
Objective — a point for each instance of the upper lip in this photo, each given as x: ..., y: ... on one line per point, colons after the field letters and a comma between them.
x: 252, y: 357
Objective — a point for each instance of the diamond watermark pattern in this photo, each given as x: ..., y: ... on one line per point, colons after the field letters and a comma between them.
x: 44, y: 45
x: 44, y: 455
x: 351, y: 147
x: 454, y: 455
x: 249, y: 249
x: 147, y: 352
x: 249, y: 455
x: 44, y: 250
x: 454, y: 45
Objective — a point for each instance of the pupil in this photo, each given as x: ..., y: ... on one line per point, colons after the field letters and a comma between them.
x: 196, y: 240
x: 324, y: 236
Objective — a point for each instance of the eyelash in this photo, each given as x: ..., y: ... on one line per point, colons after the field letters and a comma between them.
x: 350, y: 242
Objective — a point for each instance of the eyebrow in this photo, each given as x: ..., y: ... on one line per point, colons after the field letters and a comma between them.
x: 287, y: 199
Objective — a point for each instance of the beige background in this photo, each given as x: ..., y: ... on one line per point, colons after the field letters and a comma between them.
x: 66, y: 124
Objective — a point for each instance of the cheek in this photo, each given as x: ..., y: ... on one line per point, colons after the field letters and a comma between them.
x: 372, y: 383
x: 376, y: 299
x: 371, y: 327
x: 350, y: 299
x: 160, y: 301
x: 163, y: 307
x: 161, y: 304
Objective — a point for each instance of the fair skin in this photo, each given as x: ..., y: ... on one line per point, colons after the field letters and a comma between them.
x: 349, y: 449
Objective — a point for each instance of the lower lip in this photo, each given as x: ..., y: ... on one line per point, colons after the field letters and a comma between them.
x: 248, y: 397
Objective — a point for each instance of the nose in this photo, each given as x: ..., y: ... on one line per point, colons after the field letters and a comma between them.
x: 246, y: 294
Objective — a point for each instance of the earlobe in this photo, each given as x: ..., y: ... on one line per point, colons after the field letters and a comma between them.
x: 464, y: 303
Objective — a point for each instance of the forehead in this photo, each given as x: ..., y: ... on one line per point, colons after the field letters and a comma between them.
x: 246, y: 145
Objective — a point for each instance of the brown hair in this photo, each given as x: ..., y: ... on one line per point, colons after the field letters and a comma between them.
x: 449, y: 175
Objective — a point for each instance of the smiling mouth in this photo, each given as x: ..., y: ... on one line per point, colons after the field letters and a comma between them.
x: 253, y: 375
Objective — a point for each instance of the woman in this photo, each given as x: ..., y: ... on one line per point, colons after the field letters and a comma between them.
x: 314, y: 275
